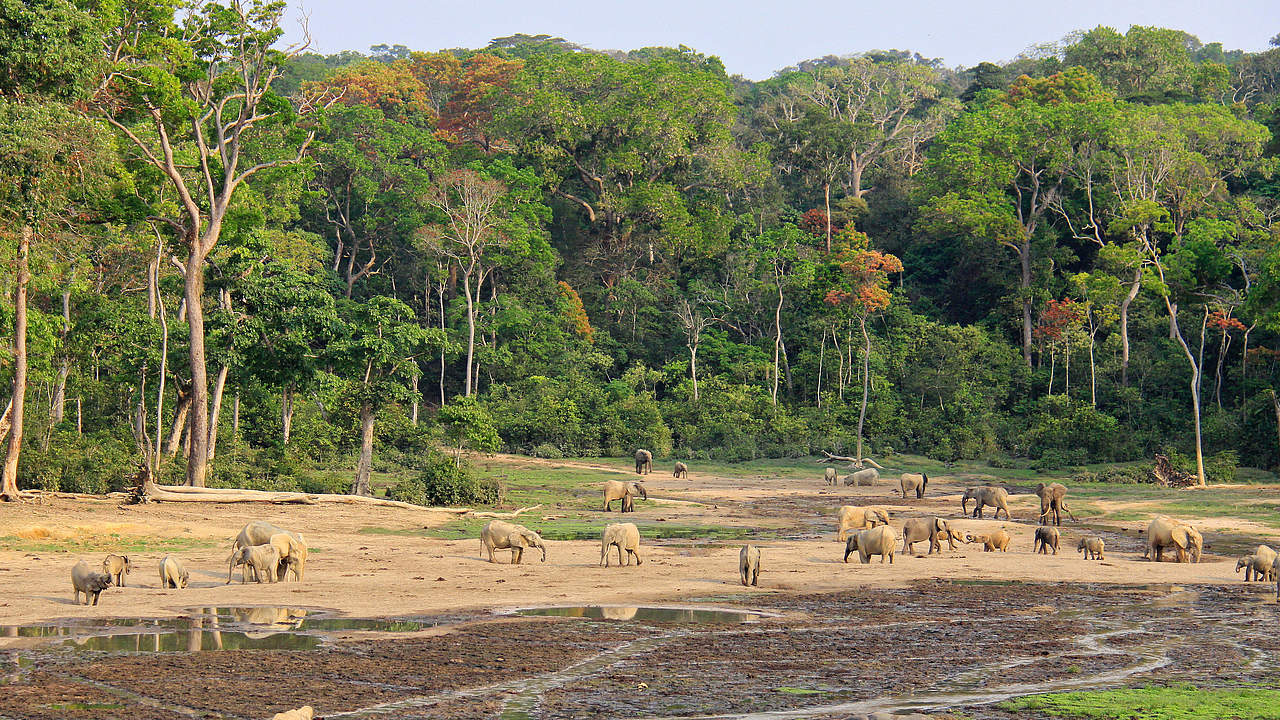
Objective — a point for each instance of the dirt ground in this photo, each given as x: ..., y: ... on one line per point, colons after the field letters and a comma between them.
x: 830, y: 626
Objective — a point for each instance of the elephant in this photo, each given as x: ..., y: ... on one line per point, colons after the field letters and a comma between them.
x: 855, y: 518
x: 1254, y: 568
x: 829, y: 476
x: 644, y: 462
x: 306, y: 712
x: 879, y: 540
x: 1092, y: 547
x: 1047, y: 539
x: 996, y: 497
x: 610, y: 612
x: 998, y: 540
x: 624, y: 491
x: 293, y: 554
x: 260, y: 559
x: 681, y: 471
x: 1165, y: 531
x: 499, y: 535
x: 85, y: 580
x: 913, y: 482
x: 172, y: 573
x: 862, y: 478
x: 933, y: 529
x: 1267, y: 557
x: 624, y: 536
x: 1275, y: 570
x: 117, y: 566
x: 749, y: 564
x: 259, y: 532
x: 1053, y: 500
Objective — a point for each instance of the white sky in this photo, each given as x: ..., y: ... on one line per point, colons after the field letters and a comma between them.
x: 754, y: 39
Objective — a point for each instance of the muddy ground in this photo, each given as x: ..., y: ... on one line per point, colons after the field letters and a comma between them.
x: 938, y: 634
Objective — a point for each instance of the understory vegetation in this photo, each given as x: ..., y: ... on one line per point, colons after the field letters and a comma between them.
x: 238, y: 266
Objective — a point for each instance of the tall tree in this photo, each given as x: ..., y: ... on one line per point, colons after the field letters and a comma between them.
x: 194, y: 99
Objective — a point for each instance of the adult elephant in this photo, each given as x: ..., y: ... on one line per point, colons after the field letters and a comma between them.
x: 996, y: 497
x: 1053, y: 501
x: 624, y: 491
x: 1165, y: 531
x: 644, y: 462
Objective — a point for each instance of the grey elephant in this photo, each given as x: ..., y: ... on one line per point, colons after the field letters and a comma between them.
x: 996, y: 497
x: 1254, y: 568
x: 681, y: 471
x: 829, y: 476
x: 644, y: 462
x: 998, y: 540
x: 1047, y: 538
x: 913, y: 482
x: 749, y: 564
x: 260, y: 532
x: 1053, y: 501
x: 624, y: 536
x: 1266, y: 556
x: 500, y: 535
x: 624, y: 491
x: 879, y: 540
x: 1092, y: 547
x: 1165, y: 531
x: 260, y: 560
x: 933, y: 529
x: 85, y: 580
x: 851, y: 517
x: 117, y: 566
x: 862, y: 478
x: 172, y: 573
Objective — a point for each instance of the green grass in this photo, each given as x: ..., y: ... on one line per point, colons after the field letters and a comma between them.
x: 104, y: 543
x: 1154, y: 703
x: 799, y: 691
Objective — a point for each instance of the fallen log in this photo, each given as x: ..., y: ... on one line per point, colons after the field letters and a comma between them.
x: 149, y: 491
x: 855, y: 462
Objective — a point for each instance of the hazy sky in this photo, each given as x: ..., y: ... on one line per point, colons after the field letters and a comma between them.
x: 754, y: 39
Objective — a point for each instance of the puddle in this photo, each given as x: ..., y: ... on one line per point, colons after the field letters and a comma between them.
x: 302, y: 619
x: 646, y: 614
x: 193, y: 641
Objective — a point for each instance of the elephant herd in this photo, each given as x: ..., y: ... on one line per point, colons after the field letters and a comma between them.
x: 262, y: 550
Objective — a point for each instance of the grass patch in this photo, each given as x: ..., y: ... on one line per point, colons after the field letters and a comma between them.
x: 103, y: 543
x: 1154, y: 703
x: 799, y: 691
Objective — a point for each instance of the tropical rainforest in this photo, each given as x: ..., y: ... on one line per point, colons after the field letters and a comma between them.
x: 231, y: 263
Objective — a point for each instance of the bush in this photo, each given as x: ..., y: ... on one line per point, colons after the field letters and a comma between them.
x: 97, y: 463
x: 1219, y: 468
x: 546, y: 450
x: 444, y: 483
x: 1055, y: 459
x: 1120, y: 475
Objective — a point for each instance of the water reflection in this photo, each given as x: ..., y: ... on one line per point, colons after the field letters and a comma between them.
x: 645, y: 614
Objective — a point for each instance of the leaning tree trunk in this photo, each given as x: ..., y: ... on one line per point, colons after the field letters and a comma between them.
x: 1195, y: 379
x: 218, y: 387
x: 58, y: 410
x: 180, y: 423
x: 365, y: 467
x: 1134, y: 286
x: 9, y: 474
x: 286, y: 413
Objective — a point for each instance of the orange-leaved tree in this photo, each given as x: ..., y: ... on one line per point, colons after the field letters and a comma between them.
x: 863, y: 290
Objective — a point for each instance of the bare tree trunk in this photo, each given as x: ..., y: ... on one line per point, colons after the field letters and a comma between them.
x: 365, y: 467
x: 826, y: 195
x: 79, y: 417
x: 235, y: 417
x: 180, y: 413
x: 1066, y: 369
x: 1223, y: 347
x: 471, y: 328
x: 835, y: 341
x: 286, y: 413
x: 58, y: 410
x: 777, y: 341
x: 1173, y: 320
x: 1053, y: 365
x: 9, y: 474
x: 440, y: 294
x: 822, y: 351
x: 198, y: 457
x: 1093, y: 376
x: 1172, y: 307
x: 164, y: 365
x: 693, y: 367
x: 416, y: 401
x: 1024, y: 258
x: 218, y: 386
x: 866, y: 380
x: 1134, y: 286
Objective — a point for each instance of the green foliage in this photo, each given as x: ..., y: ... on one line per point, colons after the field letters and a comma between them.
x: 444, y: 482
x: 1069, y: 432
x: 100, y: 462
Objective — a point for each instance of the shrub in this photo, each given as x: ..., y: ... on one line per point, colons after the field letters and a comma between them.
x: 445, y: 483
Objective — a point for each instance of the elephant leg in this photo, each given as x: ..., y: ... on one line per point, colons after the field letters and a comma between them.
x: 620, y: 555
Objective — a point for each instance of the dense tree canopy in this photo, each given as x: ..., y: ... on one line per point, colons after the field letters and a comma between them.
x: 344, y: 261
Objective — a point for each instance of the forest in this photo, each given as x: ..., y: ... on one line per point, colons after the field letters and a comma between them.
x: 238, y: 264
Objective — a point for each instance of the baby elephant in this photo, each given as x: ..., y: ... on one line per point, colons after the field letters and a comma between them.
x: 1047, y: 539
x: 260, y: 559
x: 117, y: 566
x: 749, y: 564
x: 1255, y: 568
x: 625, y: 536
x: 1092, y: 547
x: 998, y: 540
x: 829, y: 476
x: 682, y: 470
x: 172, y: 573
x: 85, y: 580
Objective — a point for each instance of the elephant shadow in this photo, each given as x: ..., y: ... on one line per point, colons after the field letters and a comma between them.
x: 58, y: 600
